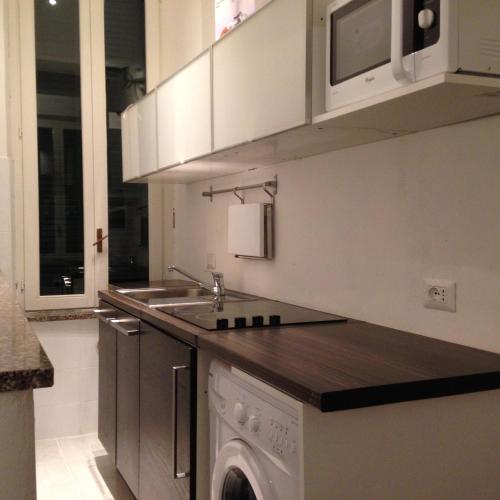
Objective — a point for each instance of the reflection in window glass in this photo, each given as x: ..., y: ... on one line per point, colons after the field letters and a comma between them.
x: 125, y: 84
x: 60, y: 186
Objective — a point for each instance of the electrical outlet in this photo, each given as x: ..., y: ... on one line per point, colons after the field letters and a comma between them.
x: 211, y: 262
x: 440, y: 294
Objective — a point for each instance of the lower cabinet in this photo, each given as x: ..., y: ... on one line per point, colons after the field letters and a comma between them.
x: 107, y: 386
x: 167, y: 417
x: 147, y: 406
x: 127, y: 409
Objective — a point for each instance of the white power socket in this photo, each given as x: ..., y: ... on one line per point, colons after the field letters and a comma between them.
x: 440, y: 294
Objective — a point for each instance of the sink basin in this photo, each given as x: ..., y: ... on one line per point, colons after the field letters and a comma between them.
x: 161, y: 293
x: 176, y: 297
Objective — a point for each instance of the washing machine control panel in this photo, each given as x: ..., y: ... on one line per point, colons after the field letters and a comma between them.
x: 261, y: 420
x: 272, y: 428
x: 282, y: 437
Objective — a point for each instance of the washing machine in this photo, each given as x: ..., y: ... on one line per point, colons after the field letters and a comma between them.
x: 255, y: 439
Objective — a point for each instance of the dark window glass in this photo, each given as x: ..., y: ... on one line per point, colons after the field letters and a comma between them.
x: 237, y: 486
x: 125, y: 84
x: 60, y: 187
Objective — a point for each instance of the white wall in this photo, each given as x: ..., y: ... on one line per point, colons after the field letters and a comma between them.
x: 6, y: 264
x: 69, y: 407
x: 17, y: 445
x: 3, y: 79
x: 358, y: 230
x: 186, y: 29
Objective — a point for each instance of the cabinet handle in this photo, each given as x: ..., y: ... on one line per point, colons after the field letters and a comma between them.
x: 102, y: 314
x: 175, y: 371
x: 127, y: 326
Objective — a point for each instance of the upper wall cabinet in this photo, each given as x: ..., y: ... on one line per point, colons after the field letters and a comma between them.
x: 147, y: 130
x: 260, y: 75
x: 130, y: 144
x: 185, y: 114
x: 257, y: 97
x: 139, y: 138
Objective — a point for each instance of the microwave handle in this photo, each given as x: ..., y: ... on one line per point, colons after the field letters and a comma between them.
x: 399, y: 71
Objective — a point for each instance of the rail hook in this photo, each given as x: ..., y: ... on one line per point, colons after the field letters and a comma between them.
x: 272, y: 195
x: 235, y: 192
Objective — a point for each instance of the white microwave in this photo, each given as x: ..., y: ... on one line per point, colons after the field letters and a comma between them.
x: 374, y: 46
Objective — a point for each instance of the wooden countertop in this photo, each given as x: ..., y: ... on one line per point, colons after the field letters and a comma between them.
x: 352, y: 365
x: 339, y: 366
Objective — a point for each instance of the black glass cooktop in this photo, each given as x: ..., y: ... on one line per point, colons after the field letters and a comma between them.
x: 248, y: 314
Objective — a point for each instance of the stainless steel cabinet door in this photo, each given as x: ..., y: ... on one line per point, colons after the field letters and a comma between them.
x: 127, y: 410
x: 107, y: 386
x: 167, y: 417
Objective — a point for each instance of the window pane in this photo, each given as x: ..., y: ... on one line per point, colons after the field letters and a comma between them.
x: 125, y: 84
x: 60, y: 179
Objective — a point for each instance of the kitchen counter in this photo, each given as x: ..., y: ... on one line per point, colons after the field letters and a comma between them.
x: 338, y: 366
x: 23, y: 362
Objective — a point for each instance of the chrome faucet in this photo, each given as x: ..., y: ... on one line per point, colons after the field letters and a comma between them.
x: 218, y: 285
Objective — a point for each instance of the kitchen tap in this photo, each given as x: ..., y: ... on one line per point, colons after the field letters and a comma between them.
x: 218, y: 285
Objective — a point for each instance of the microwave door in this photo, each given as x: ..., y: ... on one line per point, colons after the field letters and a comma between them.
x: 360, y: 38
x: 361, y: 45
x: 402, y: 67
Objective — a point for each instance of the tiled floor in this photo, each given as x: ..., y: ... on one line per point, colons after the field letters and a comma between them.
x: 77, y: 468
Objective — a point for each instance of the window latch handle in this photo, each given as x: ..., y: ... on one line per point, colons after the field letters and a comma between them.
x: 99, y: 239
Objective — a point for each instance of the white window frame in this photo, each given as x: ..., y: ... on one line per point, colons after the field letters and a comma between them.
x: 94, y: 156
x: 23, y: 145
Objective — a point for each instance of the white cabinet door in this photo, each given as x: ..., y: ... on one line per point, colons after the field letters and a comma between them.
x: 147, y: 134
x: 130, y: 143
x: 184, y: 114
x: 168, y: 129
x: 260, y: 75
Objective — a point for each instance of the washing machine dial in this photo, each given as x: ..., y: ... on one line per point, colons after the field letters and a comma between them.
x: 240, y: 413
x: 254, y: 423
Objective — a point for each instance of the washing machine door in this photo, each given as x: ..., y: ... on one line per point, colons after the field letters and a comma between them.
x: 238, y: 475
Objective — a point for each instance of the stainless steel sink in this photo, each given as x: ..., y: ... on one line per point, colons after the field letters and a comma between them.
x: 160, y: 293
x: 176, y: 297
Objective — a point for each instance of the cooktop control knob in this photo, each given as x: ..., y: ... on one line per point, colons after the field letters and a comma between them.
x: 240, y: 413
x: 275, y: 320
x: 257, y: 321
x: 426, y: 18
x: 222, y: 324
x: 254, y: 423
x: 240, y: 322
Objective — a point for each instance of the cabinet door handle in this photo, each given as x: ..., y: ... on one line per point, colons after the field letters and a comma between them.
x: 175, y: 371
x: 103, y: 314
x: 127, y: 326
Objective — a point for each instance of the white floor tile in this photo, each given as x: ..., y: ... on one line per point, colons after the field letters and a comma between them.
x: 67, y: 491
x: 83, y: 448
x: 52, y: 473
x: 47, y: 450
x: 89, y: 483
x: 66, y: 469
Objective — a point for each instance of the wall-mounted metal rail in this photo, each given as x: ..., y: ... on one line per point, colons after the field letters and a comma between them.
x: 269, y: 187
